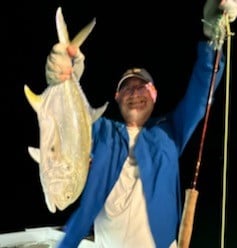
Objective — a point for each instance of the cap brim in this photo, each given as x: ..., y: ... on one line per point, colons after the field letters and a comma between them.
x: 129, y: 76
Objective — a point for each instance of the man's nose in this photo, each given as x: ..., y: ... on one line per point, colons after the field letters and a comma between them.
x: 136, y: 91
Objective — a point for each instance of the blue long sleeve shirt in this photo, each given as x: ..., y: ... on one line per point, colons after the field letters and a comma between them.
x: 157, y: 151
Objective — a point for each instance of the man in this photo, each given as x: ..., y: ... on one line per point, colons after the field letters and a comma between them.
x: 132, y: 195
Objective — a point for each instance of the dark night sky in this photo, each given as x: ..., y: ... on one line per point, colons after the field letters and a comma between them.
x: 160, y: 38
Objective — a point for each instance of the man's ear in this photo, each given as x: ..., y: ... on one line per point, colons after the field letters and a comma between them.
x: 116, y: 97
x: 152, y: 90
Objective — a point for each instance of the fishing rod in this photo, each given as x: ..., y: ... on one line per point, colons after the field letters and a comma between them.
x: 191, y: 195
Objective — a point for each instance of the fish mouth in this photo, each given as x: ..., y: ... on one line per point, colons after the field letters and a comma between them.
x: 61, y: 191
x: 61, y: 195
x: 68, y: 200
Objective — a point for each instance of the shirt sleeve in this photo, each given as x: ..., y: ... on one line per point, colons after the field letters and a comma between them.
x: 192, y: 107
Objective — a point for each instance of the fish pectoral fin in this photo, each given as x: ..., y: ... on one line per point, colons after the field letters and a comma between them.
x: 34, y: 100
x: 96, y: 113
x: 34, y: 153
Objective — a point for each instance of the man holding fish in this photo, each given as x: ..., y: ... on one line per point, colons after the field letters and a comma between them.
x: 132, y: 194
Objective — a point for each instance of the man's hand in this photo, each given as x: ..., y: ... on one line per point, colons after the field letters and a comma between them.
x: 63, y: 63
x: 214, y: 26
x: 230, y: 8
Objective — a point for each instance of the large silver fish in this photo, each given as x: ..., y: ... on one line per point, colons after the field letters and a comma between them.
x: 65, y: 120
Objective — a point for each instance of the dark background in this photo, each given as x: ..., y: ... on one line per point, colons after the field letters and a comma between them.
x: 161, y: 37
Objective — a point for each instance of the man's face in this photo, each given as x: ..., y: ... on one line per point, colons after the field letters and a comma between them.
x: 135, y: 101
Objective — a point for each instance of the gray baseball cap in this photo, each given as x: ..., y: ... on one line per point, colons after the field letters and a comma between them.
x: 135, y: 72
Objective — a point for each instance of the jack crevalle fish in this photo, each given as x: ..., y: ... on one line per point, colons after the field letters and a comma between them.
x: 65, y: 120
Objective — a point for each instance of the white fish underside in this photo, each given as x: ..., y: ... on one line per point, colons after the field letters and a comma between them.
x: 65, y: 119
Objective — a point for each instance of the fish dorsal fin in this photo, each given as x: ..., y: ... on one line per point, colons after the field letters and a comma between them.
x: 34, y: 100
x: 34, y: 153
x: 97, y: 112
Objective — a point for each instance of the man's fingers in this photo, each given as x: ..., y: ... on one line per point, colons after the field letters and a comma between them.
x: 72, y: 51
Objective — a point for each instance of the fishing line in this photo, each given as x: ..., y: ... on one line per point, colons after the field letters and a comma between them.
x: 227, y: 100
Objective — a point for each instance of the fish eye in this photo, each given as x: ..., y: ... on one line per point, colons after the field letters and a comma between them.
x: 68, y: 195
